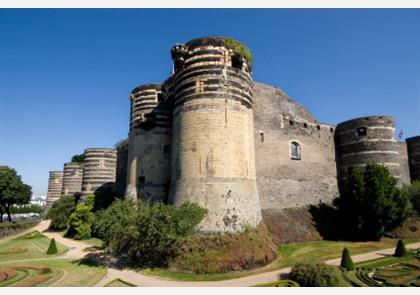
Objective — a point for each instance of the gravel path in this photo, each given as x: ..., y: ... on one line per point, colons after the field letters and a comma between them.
x: 77, y: 250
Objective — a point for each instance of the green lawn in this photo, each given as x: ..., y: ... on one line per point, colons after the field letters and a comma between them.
x: 289, y: 255
x: 64, y: 273
x: 29, y: 246
x: 119, y: 283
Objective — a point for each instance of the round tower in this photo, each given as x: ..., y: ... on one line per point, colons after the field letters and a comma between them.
x: 72, y: 178
x: 367, y: 139
x: 213, y: 160
x: 413, y: 148
x: 55, y: 183
x: 148, y: 175
x: 99, y: 170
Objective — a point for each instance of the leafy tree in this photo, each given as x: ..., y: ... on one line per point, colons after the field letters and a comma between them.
x: 400, y: 250
x: 52, y: 248
x: 78, y: 158
x: 12, y: 191
x: 413, y: 193
x: 149, y: 234
x: 315, y: 275
x: 346, y: 261
x: 60, y: 213
x: 370, y: 202
x: 82, y: 219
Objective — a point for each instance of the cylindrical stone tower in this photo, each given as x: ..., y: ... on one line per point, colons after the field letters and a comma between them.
x: 99, y: 170
x: 148, y: 176
x: 55, y: 183
x: 213, y: 160
x: 413, y: 148
x: 367, y: 139
x: 72, y: 178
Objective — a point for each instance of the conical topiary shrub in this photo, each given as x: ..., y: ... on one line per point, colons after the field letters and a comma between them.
x: 52, y: 249
x: 346, y: 261
x: 400, y: 250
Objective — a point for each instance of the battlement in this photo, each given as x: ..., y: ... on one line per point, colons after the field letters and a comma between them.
x: 310, y: 128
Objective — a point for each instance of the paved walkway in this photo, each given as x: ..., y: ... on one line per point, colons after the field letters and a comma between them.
x: 78, y: 250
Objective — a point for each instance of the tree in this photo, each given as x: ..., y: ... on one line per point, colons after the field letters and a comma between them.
x: 315, y: 275
x: 346, y: 261
x: 60, y: 213
x: 78, y: 158
x: 148, y: 234
x: 370, y: 203
x: 82, y: 219
x: 12, y: 191
x: 400, y: 250
x: 413, y: 193
x: 52, y: 248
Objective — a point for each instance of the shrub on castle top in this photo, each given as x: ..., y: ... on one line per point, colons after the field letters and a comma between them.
x: 400, y: 250
x: 148, y: 234
x: 315, y: 275
x: 346, y: 261
x: 78, y: 159
x: 237, y: 47
x: 60, y: 213
x: 370, y: 203
x: 52, y: 248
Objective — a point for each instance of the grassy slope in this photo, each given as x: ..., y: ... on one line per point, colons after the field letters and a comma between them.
x: 289, y: 255
x: 36, y: 247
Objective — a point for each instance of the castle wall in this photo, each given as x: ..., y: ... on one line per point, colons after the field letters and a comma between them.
x: 121, y: 176
x: 149, y: 145
x: 404, y: 167
x: 72, y: 178
x: 368, y: 139
x: 99, y: 170
x: 213, y: 160
x: 284, y: 181
x: 413, y: 147
x: 55, y: 183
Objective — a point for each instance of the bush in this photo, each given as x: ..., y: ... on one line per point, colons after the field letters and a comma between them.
x: 60, y: 213
x: 412, y: 192
x: 400, y: 250
x: 82, y: 219
x: 52, y: 248
x: 315, y: 275
x: 346, y: 261
x: 370, y: 203
x: 148, y: 234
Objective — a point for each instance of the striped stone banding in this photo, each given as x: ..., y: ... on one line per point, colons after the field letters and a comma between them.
x: 367, y: 140
x: 72, y: 178
x: 55, y: 184
x: 99, y: 168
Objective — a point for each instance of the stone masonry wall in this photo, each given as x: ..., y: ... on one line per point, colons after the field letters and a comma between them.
x: 413, y: 147
x: 55, y: 183
x: 72, y: 178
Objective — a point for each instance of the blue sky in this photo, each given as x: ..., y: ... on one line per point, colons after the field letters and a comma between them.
x: 66, y: 75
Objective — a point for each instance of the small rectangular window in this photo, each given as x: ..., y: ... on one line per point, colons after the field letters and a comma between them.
x: 291, y: 123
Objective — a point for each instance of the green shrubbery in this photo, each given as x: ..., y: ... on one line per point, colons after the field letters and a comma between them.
x: 82, y: 219
x: 237, y: 47
x: 60, y: 212
x: 346, y: 261
x: 400, y: 250
x: 52, y: 248
x: 315, y: 275
x: 370, y: 203
x: 148, y: 234
x: 412, y: 192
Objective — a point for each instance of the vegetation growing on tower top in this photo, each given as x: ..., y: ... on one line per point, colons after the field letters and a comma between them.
x: 78, y: 158
x: 237, y: 47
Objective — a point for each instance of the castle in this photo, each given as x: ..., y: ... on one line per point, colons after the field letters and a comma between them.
x: 212, y: 136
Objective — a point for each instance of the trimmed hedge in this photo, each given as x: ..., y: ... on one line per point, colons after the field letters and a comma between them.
x: 10, y: 228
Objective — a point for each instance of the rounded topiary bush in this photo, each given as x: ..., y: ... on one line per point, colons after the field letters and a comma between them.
x: 400, y: 250
x: 346, y: 261
x: 52, y: 249
x: 315, y: 275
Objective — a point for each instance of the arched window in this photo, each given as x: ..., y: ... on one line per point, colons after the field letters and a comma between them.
x: 295, y: 152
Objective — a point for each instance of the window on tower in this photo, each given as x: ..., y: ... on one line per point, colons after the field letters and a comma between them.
x: 295, y: 151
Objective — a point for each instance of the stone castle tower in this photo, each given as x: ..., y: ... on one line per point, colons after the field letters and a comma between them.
x: 72, y: 179
x: 55, y: 184
x: 149, y: 145
x: 213, y: 159
x: 241, y: 149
